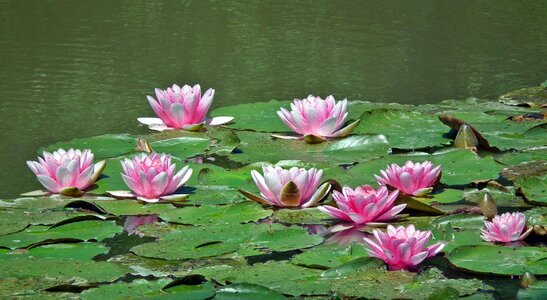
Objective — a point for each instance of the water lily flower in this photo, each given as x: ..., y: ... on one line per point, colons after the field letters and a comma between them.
x: 67, y: 172
x: 364, y: 205
x: 402, y: 248
x: 509, y: 227
x: 152, y: 177
x: 182, y: 108
x: 413, y: 179
x: 316, y: 119
x: 132, y: 222
x: 296, y: 187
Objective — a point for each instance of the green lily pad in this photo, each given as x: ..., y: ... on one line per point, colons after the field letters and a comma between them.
x: 536, y: 291
x: 215, y: 195
x: 181, y: 147
x: 401, y: 285
x: 280, y: 238
x: 143, y: 266
x: 533, y: 189
x: 224, y: 141
x: 517, y: 157
x: 396, y: 125
x: 502, y: 198
x: 82, y: 251
x: 429, y: 203
x: 144, y: 289
x: 246, y: 291
x: 536, y: 216
x: 102, y: 146
x: 209, y: 215
x: 77, y: 231
x: 329, y: 255
x: 62, y: 270
x: 257, y: 146
x: 137, y: 289
x: 532, y: 96
x: 294, y: 281
x: 124, y: 207
x: 301, y: 216
x: 499, y: 260
x: 260, y: 116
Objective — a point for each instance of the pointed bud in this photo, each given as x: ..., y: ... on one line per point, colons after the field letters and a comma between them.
x: 290, y: 194
x: 488, y: 206
x: 143, y: 145
x: 466, y: 138
x: 527, y: 279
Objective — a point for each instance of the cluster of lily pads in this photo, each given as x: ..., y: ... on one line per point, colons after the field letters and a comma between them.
x: 198, y: 224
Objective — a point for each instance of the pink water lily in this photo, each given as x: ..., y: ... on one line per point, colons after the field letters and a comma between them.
x: 413, y: 179
x: 509, y: 227
x: 182, y: 108
x: 316, y: 119
x: 296, y: 187
x: 152, y: 177
x: 364, y: 205
x: 67, y: 172
x: 402, y: 248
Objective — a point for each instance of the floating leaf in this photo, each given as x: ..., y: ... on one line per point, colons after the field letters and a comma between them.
x: 102, y: 146
x: 247, y: 291
x: 62, y: 270
x: 300, y: 216
x: 396, y: 125
x: 532, y: 96
x: 82, y: 251
x: 499, y: 260
x: 329, y: 255
x: 537, y: 291
x: 209, y: 215
x: 181, y: 147
x: 260, y: 116
x: 533, y: 189
x: 77, y: 231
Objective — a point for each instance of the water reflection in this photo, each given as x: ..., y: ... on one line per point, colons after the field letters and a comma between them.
x: 77, y: 68
x: 133, y: 222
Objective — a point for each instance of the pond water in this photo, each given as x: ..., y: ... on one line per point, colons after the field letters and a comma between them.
x: 80, y: 68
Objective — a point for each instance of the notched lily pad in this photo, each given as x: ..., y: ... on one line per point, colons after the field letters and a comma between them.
x: 499, y: 260
x: 533, y: 189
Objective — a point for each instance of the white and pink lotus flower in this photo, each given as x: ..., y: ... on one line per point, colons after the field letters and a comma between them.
x: 402, y: 247
x: 151, y: 178
x: 412, y: 179
x: 296, y: 187
x: 364, y: 205
x: 509, y: 227
x: 68, y: 173
x: 182, y: 108
x: 315, y: 119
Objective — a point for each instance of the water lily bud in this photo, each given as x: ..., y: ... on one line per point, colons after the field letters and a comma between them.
x: 466, y: 138
x: 527, y: 279
x: 488, y: 206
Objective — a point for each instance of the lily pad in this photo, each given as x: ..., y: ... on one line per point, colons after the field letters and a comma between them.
x: 181, y: 147
x: 533, y: 189
x: 300, y: 216
x: 77, y: 231
x: 62, y: 270
x: 396, y: 125
x: 260, y: 116
x: 142, y: 266
x: 257, y: 146
x: 209, y: 215
x: 136, y: 289
x: 329, y: 255
x: 103, y: 146
x: 82, y: 251
x: 247, y: 291
x: 536, y: 291
x: 123, y: 207
x: 502, y: 198
x: 295, y: 281
x: 499, y: 260
x: 532, y: 96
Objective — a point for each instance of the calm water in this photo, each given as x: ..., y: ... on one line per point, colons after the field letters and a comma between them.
x: 83, y: 68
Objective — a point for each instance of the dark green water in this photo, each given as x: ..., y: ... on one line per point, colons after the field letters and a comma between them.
x: 83, y: 68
